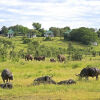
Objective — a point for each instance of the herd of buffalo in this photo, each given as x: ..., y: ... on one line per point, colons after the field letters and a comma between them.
x: 85, y: 73
x: 60, y: 57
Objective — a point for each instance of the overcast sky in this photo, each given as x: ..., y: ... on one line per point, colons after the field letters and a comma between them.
x: 57, y: 13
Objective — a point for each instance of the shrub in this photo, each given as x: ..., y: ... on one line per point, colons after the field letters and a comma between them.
x: 77, y: 56
x: 94, y: 53
x: 26, y: 40
x: 48, y: 39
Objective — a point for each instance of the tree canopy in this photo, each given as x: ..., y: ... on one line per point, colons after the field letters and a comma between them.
x: 4, y: 30
x: 36, y: 26
x: 83, y: 35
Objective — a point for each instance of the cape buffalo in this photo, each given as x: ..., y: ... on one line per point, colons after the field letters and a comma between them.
x: 61, y: 58
x: 39, y: 58
x: 89, y: 71
x: 52, y: 60
x: 70, y: 81
x: 6, y: 75
x: 44, y: 80
x: 28, y: 57
x: 6, y: 86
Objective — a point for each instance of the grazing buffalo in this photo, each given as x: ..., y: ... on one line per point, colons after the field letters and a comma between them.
x: 44, y: 80
x: 61, y: 58
x: 39, y: 58
x: 52, y: 60
x: 28, y: 57
x: 89, y: 71
x: 6, y: 75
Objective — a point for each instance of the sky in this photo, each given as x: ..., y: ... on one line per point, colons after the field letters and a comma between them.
x: 50, y: 13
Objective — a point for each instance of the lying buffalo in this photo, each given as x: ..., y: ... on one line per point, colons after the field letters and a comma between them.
x: 89, y: 71
x: 44, y: 80
x: 66, y: 82
x: 61, y: 58
x: 39, y: 58
x: 6, y: 86
x: 28, y: 57
x: 52, y: 60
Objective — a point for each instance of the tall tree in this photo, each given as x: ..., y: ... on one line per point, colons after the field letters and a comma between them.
x: 98, y: 32
x: 4, y: 30
x: 36, y: 26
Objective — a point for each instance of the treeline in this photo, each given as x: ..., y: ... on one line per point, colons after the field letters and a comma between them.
x: 83, y: 35
x: 37, y: 30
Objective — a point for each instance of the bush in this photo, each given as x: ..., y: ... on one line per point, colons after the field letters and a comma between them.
x: 77, y: 56
x: 94, y: 53
x: 26, y: 40
x: 41, y: 50
x: 48, y: 39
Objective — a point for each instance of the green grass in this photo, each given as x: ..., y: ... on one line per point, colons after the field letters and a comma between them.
x: 26, y: 71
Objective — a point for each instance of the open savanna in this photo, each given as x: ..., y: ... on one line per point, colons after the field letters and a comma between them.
x: 25, y: 72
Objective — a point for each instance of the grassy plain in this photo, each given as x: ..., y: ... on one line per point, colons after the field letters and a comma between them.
x: 26, y: 71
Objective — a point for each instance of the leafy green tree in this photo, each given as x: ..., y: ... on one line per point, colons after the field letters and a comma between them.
x: 32, y: 47
x: 56, y: 31
x: 63, y: 30
x: 4, y: 30
x: 42, y: 31
x: 59, y: 32
x: 83, y: 35
x: 36, y: 26
x: 19, y: 29
x: 77, y: 56
x: 98, y: 32
x: 31, y: 33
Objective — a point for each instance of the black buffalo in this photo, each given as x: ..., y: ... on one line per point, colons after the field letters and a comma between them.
x: 44, y: 80
x: 52, y: 60
x: 39, y: 58
x: 65, y: 82
x: 61, y: 58
x: 6, y: 75
x: 28, y: 57
x: 89, y: 72
x: 6, y: 86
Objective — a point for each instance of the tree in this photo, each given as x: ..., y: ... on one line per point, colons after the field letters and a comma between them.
x: 63, y: 30
x: 36, y: 26
x: 98, y: 32
x: 4, y: 30
x: 83, y: 35
x: 77, y: 56
x: 59, y: 31
x: 42, y: 31
x: 19, y: 29
x: 31, y: 33
x: 56, y: 31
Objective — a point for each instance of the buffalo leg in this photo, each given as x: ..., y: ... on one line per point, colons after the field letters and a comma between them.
x: 97, y: 77
x: 7, y: 80
x: 86, y: 77
x: 3, y: 80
